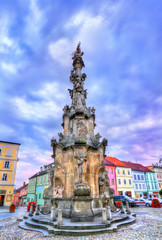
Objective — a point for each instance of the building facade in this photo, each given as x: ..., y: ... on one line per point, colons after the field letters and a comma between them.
x: 157, y: 169
x: 8, y: 164
x: 110, y: 168
x: 151, y: 181
x: 37, y: 184
x: 139, y: 181
x: 20, y: 194
x: 124, y: 181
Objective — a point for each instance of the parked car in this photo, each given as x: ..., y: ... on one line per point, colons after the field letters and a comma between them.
x: 131, y: 201
x: 125, y: 199
x: 148, y: 202
x: 140, y: 201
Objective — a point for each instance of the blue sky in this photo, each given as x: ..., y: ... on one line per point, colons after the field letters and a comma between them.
x: 121, y: 41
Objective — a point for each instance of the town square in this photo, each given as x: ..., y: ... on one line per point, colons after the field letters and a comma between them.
x: 80, y: 145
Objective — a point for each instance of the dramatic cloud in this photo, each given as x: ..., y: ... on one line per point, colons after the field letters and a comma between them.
x: 122, y: 48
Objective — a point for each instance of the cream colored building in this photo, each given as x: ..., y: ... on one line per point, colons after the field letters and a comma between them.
x: 8, y: 164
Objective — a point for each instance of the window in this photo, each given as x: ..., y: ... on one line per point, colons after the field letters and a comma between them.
x: 130, y: 182
x: 118, y: 171
x: 112, y: 181
x: 128, y: 172
x: 135, y: 177
x: 4, y: 177
x: 119, y: 181
x: 142, y: 178
x: 136, y: 186
x: 151, y: 177
x: 0, y: 152
x: 138, y: 177
x: 107, y: 170
x: 39, y: 195
x: 148, y: 186
x: 7, y: 164
x: 146, y: 177
x: 9, y: 152
x: 123, y: 172
x: 140, y: 186
x: 40, y: 180
x: 155, y: 186
x: 144, y: 186
x: 125, y: 181
x: 111, y: 170
x: 152, y: 185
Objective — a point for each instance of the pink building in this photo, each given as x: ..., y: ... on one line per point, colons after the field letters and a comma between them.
x: 110, y: 168
x: 19, y: 197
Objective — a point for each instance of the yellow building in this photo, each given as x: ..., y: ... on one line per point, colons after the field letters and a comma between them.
x: 124, y: 181
x: 8, y: 164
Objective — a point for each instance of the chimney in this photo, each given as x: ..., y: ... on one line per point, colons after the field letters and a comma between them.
x: 41, y: 169
x: 23, y: 184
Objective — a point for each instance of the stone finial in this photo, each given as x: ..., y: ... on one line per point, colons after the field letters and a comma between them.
x: 109, y: 215
x: 59, y: 220
x: 53, y: 215
x: 127, y: 208
x: 122, y: 208
x: 37, y: 210
x: 31, y: 210
x: 104, y: 216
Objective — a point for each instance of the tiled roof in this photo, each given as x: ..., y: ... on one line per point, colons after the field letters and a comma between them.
x: 116, y: 161
x: 19, y: 189
x: 144, y: 169
x: 106, y: 162
x: 39, y: 174
x: 133, y: 166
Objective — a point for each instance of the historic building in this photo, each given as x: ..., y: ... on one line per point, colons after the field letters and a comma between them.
x: 110, y: 169
x: 20, y: 195
x: 124, y: 181
x: 139, y: 182
x: 151, y: 182
x: 38, y: 183
x: 157, y: 169
x: 8, y: 164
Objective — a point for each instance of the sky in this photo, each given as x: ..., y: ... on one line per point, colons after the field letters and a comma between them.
x: 122, y: 45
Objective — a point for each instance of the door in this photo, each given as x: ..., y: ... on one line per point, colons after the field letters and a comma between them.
x: 2, y: 197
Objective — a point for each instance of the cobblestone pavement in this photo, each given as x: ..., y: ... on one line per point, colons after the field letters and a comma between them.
x: 148, y: 226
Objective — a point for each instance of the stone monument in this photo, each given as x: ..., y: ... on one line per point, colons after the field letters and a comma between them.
x: 81, y: 184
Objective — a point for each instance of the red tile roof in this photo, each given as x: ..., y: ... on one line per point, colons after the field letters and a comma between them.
x: 106, y: 162
x: 144, y: 169
x: 116, y: 161
x: 133, y: 166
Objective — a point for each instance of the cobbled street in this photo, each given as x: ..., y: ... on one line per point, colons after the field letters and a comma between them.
x: 148, y: 226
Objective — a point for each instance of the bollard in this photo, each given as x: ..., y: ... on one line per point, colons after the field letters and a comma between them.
x: 37, y: 210
x: 31, y: 210
x: 104, y: 216
x: 109, y: 216
x: 53, y: 216
x: 122, y: 208
x: 127, y: 208
x: 59, y: 220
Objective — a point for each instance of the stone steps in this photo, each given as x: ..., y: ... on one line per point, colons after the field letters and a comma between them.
x: 50, y: 228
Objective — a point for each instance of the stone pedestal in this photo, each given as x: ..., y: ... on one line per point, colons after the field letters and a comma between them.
x: 82, y: 210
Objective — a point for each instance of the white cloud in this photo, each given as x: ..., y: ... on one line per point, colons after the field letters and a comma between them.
x: 10, y: 67
x: 61, y: 50
x: 6, y: 42
x: 34, y: 23
x: 36, y: 110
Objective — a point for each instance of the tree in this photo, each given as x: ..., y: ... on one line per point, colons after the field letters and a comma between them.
x: 160, y: 192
